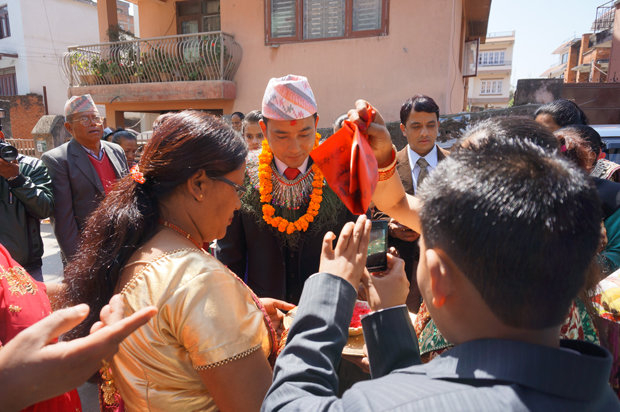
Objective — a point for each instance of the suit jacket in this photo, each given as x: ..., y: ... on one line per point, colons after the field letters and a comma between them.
x: 482, y: 375
x: 77, y: 188
x: 253, y: 251
x: 408, y: 251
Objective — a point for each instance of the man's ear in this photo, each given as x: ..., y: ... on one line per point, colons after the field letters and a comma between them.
x: 316, y: 122
x: 442, y: 273
x: 69, y: 127
x: 402, y: 129
x: 263, y: 127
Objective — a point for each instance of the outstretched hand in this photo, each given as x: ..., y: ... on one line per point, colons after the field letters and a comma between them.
x: 32, y: 369
x: 348, y: 259
x: 378, y: 135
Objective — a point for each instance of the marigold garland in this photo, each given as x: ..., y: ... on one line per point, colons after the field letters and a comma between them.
x: 266, y: 188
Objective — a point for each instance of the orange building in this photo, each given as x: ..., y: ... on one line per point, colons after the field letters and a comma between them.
x: 219, y: 54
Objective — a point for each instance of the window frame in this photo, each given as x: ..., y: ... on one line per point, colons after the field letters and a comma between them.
x: 348, y: 25
x: 5, y: 24
x: 487, y: 85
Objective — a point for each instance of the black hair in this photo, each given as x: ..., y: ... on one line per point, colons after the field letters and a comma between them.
x: 119, y: 134
x: 591, y: 136
x: 182, y: 144
x: 519, y: 127
x: 418, y: 103
x: 564, y: 112
x: 252, y: 117
x: 520, y: 222
x: 238, y: 114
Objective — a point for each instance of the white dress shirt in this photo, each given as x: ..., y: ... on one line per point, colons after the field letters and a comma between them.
x: 431, y: 158
x: 281, y: 166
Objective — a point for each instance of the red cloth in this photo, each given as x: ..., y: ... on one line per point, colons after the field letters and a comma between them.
x: 349, y: 165
x: 291, y: 173
x: 105, y: 171
x: 23, y: 302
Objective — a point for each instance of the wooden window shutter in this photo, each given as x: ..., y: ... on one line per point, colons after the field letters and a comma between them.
x: 366, y: 15
x: 283, y: 18
x: 324, y: 18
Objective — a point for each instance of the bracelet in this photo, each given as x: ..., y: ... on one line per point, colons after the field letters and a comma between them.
x: 386, y: 172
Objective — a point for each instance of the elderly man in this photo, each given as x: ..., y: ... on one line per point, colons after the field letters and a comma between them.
x: 83, y: 170
x: 25, y: 199
x: 275, y: 239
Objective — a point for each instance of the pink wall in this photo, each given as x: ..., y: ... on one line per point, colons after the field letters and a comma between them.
x: 415, y: 57
x: 421, y: 54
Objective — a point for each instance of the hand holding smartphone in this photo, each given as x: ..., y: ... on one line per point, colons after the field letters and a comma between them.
x: 377, y: 247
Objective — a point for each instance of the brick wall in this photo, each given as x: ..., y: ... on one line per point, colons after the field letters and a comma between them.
x: 21, y: 114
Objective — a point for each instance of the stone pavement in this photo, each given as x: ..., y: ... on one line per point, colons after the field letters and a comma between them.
x: 52, y: 272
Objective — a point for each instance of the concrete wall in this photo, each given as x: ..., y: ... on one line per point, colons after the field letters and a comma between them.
x: 537, y: 91
x: 40, y: 35
x: 421, y: 54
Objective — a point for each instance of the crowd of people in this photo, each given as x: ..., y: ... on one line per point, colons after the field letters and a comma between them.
x: 181, y: 263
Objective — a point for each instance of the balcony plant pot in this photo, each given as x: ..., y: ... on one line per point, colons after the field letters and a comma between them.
x: 88, y: 79
x: 165, y: 77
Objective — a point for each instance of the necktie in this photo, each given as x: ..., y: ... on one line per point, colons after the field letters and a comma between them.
x: 291, y: 173
x: 423, y: 164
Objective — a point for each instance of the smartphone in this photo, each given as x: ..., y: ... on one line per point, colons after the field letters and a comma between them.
x: 377, y: 247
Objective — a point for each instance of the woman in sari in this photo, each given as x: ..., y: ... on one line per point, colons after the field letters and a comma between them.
x: 212, y: 337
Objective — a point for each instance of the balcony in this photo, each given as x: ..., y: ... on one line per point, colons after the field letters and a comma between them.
x: 136, y: 70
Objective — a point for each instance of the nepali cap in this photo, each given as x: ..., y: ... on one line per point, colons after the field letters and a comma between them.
x: 80, y: 104
x: 288, y: 98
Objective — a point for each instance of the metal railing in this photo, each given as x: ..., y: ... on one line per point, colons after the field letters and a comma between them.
x: 188, y: 57
x: 501, y: 34
x: 500, y: 63
x: 605, y: 14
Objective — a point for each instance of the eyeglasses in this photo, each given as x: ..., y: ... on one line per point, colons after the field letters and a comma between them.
x: 240, y: 189
x: 88, y: 120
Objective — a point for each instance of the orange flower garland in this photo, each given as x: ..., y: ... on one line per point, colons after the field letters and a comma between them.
x: 266, y: 187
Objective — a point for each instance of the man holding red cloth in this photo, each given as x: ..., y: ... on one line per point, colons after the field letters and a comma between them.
x: 83, y: 170
x: 274, y: 241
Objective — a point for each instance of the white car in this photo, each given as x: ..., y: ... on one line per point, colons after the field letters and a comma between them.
x: 610, y: 133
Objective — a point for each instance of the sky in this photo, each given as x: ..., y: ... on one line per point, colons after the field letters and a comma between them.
x: 540, y: 27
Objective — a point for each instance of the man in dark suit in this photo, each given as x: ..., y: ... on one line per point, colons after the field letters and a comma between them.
x: 273, y: 260
x: 83, y: 170
x: 508, y: 233
x: 419, y: 123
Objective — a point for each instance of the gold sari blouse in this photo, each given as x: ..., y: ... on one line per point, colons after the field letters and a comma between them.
x: 206, y: 318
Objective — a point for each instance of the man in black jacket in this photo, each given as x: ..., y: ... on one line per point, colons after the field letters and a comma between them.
x: 25, y: 198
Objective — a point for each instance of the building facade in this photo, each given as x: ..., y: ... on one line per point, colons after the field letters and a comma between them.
x: 218, y: 55
x: 33, y: 38
x: 490, y: 88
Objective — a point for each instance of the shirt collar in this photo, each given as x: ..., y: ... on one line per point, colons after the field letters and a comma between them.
x: 97, y: 156
x: 431, y: 157
x: 542, y: 368
x: 281, y: 166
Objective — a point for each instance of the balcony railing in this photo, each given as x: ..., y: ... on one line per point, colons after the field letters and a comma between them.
x: 200, y: 56
x: 494, y: 64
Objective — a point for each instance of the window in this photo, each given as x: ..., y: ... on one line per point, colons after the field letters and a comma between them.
x: 197, y: 16
x: 564, y: 58
x: 8, y: 82
x: 491, y: 87
x: 5, y: 27
x: 491, y: 58
x: 307, y: 20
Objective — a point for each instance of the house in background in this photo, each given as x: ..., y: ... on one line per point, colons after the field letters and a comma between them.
x: 490, y: 89
x: 218, y: 55
x: 34, y: 35
x: 587, y: 59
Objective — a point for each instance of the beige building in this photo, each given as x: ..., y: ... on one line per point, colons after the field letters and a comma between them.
x: 490, y: 88
x: 219, y: 54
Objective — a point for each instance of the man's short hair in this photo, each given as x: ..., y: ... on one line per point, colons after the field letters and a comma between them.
x: 418, y: 103
x: 520, y: 222
x: 240, y: 115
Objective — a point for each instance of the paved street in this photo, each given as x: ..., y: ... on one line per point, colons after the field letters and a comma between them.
x: 52, y: 272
